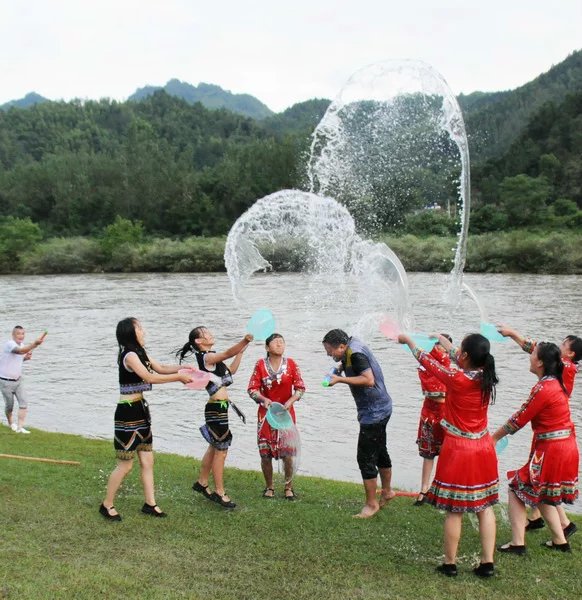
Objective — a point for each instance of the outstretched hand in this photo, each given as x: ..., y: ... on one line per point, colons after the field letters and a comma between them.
x: 404, y: 338
x: 249, y: 337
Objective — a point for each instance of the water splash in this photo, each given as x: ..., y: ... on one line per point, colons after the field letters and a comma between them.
x: 388, y: 144
x: 299, y: 231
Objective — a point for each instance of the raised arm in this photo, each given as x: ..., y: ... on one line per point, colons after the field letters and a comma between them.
x: 211, y: 358
x: 433, y: 366
x: 526, y: 344
x: 29, y: 347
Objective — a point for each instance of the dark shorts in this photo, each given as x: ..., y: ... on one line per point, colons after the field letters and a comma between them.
x: 132, y: 432
x: 215, y: 429
x: 372, y: 451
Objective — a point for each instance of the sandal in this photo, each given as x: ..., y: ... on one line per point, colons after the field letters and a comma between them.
x: 419, y: 499
x: 267, y: 495
x: 216, y: 497
x: 201, y: 489
x: 148, y: 509
x: 291, y: 495
x: 107, y: 514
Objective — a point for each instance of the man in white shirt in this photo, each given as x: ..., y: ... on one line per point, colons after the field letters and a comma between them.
x: 14, y: 353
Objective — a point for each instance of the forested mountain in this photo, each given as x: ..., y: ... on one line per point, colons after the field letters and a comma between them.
x: 211, y: 96
x: 495, y: 120
x: 538, y: 181
x: 29, y: 100
x: 301, y: 117
x: 178, y: 168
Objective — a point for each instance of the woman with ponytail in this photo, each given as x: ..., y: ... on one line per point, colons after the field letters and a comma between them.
x: 466, y: 478
x: 550, y: 477
x: 215, y: 429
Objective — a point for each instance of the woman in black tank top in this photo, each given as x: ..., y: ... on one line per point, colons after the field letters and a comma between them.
x: 215, y: 429
x: 132, y: 433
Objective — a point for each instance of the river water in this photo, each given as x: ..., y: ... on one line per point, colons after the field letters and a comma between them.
x: 72, y: 379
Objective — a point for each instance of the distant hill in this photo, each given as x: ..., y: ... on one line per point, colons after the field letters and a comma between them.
x: 299, y: 118
x: 211, y: 96
x: 29, y: 100
x: 494, y: 120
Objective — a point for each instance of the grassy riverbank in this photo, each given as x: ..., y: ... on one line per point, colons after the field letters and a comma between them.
x: 56, y: 545
x: 509, y: 252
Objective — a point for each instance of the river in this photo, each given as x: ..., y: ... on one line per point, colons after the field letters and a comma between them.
x: 72, y: 379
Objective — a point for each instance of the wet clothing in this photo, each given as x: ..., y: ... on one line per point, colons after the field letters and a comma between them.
x: 132, y: 422
x: 466, y: 477
x: 372, y: 452
x: 277, y: 386
x: 374, y: 404
x: 551, y: 474
x: 216, y: 430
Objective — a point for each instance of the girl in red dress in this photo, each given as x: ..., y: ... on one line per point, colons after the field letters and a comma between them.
x: 466, y: 478
x: 570, y: 354
x: 550, y: 477
x: 275, y: 378
x: 430, y: 433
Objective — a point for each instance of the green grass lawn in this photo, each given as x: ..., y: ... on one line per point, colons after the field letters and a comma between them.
x: 54, y: 544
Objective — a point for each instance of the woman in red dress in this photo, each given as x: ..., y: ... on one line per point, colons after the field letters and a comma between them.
x: 466, y: 478
x: 275, y: 378
x: 430, y: 433
x: 550, y: 477
x: 571, y: 353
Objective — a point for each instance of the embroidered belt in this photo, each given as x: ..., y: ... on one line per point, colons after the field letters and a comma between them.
x: 460, y: 433
x: 559, y: 434
x: 125, y: 400
x: 434, y: 394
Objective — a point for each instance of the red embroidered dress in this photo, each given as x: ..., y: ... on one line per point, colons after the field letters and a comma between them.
x: 430, y: 433
x: 466, y: 477
x: 277, y: 386
x: 551, y: 474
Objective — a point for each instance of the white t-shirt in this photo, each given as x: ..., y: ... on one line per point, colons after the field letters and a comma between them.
x: 10, y: 361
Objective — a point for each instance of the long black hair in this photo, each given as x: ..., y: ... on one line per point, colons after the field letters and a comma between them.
x: 191, y: 346
x: 551, y: 359
x: 127, y: 340
x: 478, y: 349
x: 575, y: 347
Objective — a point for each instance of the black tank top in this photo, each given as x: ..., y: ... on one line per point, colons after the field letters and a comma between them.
x: 220, y: 370
x: 130, y: 382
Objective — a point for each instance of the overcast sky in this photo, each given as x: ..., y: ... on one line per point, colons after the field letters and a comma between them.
x: 280, y: 52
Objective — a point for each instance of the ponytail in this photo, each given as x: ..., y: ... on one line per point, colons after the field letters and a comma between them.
x: 190, y: 347
x: 478, y: 349
x: 489, y: 381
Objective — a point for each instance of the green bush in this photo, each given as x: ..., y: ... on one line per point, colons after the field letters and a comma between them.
x: 17, y: 236
x: 64, y: 255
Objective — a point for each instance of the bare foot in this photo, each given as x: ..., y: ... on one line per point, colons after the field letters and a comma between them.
x: 368, y: 511
x: 385, y: 497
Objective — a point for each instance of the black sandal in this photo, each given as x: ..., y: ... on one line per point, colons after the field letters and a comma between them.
x: 216, y: 497
x: 148, y: 509
x: 291, y: 496
x: 103, y: 510
x: 419, y: 499
x: 560, y: 547
x: 201, y: 489
x: 269, y: 496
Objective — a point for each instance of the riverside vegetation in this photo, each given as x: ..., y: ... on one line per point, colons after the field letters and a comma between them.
x: 146, y: 175
x: 56, y: 545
